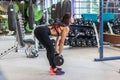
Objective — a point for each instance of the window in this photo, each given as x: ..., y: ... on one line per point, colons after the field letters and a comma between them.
x: 112, y: 6
x: 85, y: 6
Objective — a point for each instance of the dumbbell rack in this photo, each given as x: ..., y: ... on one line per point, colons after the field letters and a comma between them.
x: 18, y: 41
x: 114, y: 26
x: 83, y: 34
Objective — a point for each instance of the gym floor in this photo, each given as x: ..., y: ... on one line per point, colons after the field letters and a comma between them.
x: 79, y: 64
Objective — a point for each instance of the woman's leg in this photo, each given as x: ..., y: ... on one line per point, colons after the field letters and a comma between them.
x: 43, y: 37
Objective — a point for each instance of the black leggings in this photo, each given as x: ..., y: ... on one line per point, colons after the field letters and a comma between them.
x: 42, y: 34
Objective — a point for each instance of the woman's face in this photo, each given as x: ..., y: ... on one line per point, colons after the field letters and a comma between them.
x: 71, y: 20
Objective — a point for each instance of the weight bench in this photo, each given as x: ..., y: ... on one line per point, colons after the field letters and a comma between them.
x: 112, y: 39
x: 29, y: 41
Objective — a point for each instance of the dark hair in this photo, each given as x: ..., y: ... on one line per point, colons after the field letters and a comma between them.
x: 65, y: 19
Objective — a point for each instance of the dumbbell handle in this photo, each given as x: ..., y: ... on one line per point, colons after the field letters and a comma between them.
x: 78, y: 34
x: 58, y: 53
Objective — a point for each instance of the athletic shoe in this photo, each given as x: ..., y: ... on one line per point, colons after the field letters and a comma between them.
x: 59, y: 72
x: 52, y: 72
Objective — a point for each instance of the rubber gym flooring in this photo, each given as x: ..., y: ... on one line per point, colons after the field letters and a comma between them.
x: 79, y: 64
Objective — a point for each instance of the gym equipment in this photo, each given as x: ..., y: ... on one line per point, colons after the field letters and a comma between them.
x: 81, y: 35
x: 58, y: 60
x: 94, y: 42
x: 28, y: 28
x: 38, y: 14
x: 19, y: 31
x: 30, y: 48
x: 66, y: 7
x: 92, y: 17
x: 31, y: 15
x: 72, y: 32
x: 81, y: 22
x: 116, y: 30
x: 53, y: 11
x: 66, y: 42
x: 19, y: 37
x: 87, y: 32
x: 92, y: 32
x: 79, y: 42
x: 58, y: 10
x: 75, y: 22
x: 78, y: 21
x: 72, y: 42
x: 51, y: 21
x: 89, y: 42
x: 11, y: 17
x: 112, y: 38
x: 56, y: 20
x: 30, y: 51
x: 83, y: 42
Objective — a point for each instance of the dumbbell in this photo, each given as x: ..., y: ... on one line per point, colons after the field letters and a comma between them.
x: 56, y: 20
x: 51, y: 21
x: 89, y: 42
x: 72, y: 42
x: 86, y: 23
x: 66, y: 42
x: 83, y: 42
x: 90, y: 23
x: 87, y: 32
x: 58, y: 60
x: 94, y: 42
x: 76, y: 31
x: 71, y: 33
x: 91, y: 32
x: 116, y: 31
x: 76, y: 22
x: 81, y: 22
x: 79, y: 42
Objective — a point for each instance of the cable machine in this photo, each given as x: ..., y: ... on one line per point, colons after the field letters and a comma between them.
x: 101, y: 50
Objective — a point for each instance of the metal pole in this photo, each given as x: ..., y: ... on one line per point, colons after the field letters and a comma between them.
x: 72, y: 8
x: 101, y: 28
x: 46, y: 6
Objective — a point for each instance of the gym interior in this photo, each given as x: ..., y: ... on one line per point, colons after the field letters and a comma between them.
x: 91, y: 48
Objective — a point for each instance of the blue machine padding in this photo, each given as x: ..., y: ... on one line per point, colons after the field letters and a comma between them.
x: 92, y: 17
x: 108, y: 16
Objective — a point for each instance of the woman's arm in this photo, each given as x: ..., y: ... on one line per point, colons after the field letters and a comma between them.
x: 62, y: 40
x: 57, y: 43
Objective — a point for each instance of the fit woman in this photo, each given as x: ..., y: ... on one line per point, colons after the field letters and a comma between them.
x: 60, y: 32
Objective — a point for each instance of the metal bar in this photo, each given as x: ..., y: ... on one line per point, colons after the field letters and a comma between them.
x: 46, y: 6
x: 108, y: 58
x: 97, y: 36
x: 110, y: 27
x: 101, y: 28
x: 72, y: 8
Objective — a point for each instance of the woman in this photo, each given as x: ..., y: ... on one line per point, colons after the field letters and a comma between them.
x: 60, y: 32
